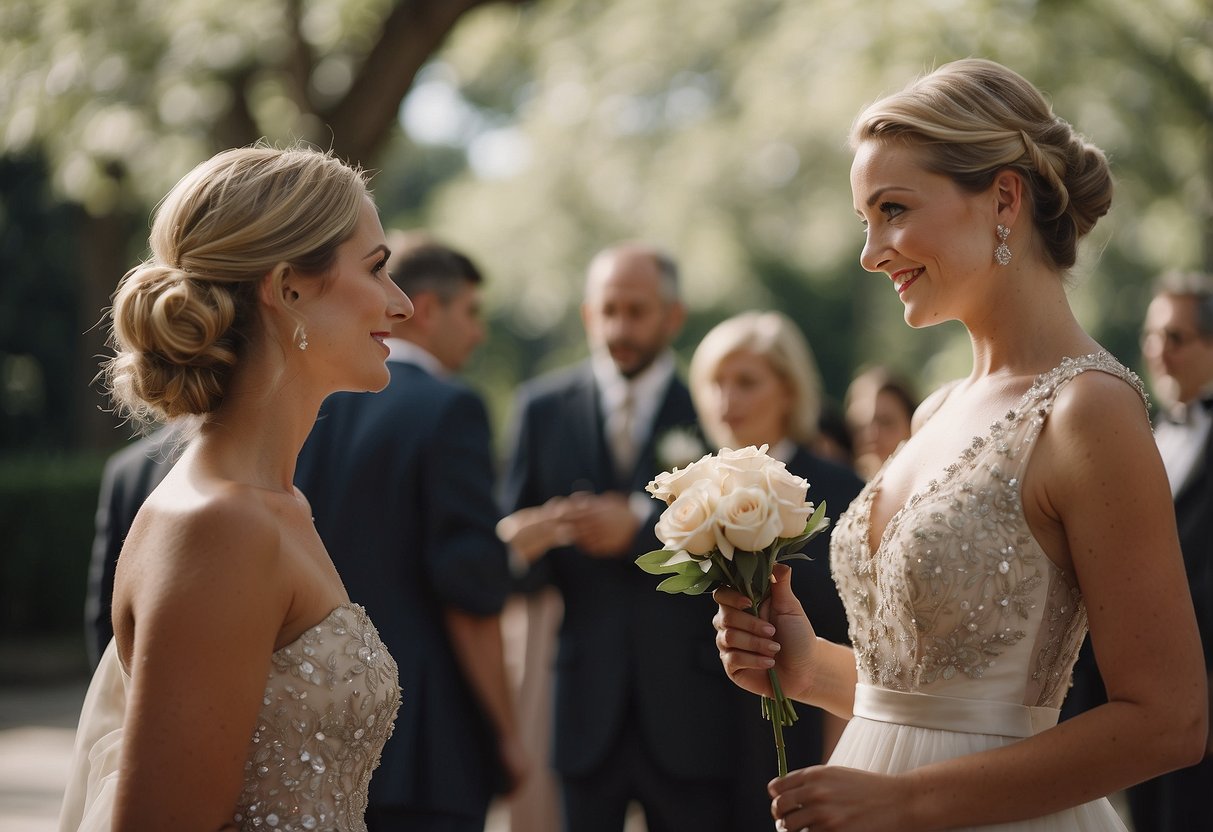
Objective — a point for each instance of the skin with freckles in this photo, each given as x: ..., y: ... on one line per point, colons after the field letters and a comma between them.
x: 1094, y: 495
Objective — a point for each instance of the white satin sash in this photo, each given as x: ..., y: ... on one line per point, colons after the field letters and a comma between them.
x: 950, y: 713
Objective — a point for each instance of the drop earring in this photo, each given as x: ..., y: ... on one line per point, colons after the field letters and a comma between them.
x: 1002, y: 254
x: 302, y: 334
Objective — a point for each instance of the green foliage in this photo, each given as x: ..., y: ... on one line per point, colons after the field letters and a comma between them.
x: 723, y: 136
x: 47, y: 506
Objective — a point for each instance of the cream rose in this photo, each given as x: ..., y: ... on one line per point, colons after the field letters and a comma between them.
x: 689, y: 522
x: 789, y: 492
x: 746, y: 518
x: 668, y: 486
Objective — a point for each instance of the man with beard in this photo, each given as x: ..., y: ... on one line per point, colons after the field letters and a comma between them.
x: 642, y: 710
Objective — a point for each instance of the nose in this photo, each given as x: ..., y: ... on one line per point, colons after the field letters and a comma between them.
x: 399, y: 306
x: 875, y: 254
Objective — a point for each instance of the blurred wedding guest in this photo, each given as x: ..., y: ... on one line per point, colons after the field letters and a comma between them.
x: 1177, y: 344
x: 834, y: 440
x: 630, y: 710
x: 242, y: 689
x: 128, y: 477
x: 754, y: 381
x: 879, y: 407
x: 401, y: 486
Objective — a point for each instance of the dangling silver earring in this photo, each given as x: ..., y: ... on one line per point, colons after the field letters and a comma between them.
x: 1002, y: 254
x: 302, y: 338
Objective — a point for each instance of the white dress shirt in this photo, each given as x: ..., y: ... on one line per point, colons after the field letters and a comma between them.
x: 1181, y: 438
x: 406, y: 352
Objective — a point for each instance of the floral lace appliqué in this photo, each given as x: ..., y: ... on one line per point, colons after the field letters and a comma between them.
x: 329, y: 707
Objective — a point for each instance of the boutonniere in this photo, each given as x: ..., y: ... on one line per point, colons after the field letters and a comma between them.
x: 679, y: 447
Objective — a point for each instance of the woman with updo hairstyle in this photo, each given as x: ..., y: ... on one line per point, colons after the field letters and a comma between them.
x: 754, y: 381
x: 242, y: 689
x: 1028, y: 506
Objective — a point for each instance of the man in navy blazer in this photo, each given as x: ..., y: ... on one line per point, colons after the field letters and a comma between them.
x: 128, y: 478
x: 401, y: 486
x: 643, y: 711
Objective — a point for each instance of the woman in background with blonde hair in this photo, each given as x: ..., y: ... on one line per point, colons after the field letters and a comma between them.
x: 754, y: 382
x: 242, y: 688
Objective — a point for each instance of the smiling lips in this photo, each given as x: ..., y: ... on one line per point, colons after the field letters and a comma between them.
x: 902, y: 279
x: 380, y: 337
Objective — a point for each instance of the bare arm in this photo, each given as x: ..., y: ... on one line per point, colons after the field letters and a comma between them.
x: 202, y: 607
x: 478, y: 648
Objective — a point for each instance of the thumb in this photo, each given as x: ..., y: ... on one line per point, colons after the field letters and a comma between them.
x: 783, y: 600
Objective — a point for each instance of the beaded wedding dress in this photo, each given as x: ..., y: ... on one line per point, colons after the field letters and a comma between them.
x: 965, y: 633
x: 329, y: 706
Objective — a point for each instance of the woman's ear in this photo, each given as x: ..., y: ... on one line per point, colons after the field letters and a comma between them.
x: 1008, y: 194
x: 275, y: 290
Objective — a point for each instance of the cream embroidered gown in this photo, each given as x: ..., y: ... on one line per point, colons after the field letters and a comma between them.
x: 329, y: 706
x: 965, y: 633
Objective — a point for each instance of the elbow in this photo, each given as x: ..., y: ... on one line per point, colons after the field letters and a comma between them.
x: 1186, y: 743
x: 1196, y: 745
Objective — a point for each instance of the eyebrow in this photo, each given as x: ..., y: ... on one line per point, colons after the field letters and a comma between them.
x: 881, y: 191
x: 387, y: 252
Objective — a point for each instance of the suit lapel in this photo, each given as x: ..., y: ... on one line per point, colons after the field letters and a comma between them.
x: 589, y: 432
x: 675, y: 411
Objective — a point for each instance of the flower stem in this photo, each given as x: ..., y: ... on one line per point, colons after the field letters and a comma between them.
x: 778, y: 709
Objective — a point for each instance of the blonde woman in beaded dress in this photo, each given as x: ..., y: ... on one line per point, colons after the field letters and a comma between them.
x: 242, y: 689
x: 1029, y: 503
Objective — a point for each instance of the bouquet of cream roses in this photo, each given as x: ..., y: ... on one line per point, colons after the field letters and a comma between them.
x: 730, y: 518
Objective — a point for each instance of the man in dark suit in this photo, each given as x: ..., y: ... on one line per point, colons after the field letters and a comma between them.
x: 129, y: 476
x: 643, y: 711
x: 1177, y: 343
x: 401, y: 486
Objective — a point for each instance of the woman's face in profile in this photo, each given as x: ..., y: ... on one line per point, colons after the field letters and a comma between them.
x: 751, y: 403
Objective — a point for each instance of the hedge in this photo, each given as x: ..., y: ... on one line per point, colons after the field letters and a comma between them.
x: 47, y: 506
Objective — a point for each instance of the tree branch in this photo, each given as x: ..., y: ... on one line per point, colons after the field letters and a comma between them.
x: 412, y: 32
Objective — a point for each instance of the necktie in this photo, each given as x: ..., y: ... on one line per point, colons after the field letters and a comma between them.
x: 623, y: 439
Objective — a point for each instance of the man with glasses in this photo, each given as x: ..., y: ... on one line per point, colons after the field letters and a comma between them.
x: 1177, y: 344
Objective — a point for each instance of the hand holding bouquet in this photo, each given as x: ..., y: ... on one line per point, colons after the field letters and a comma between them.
x: 730, y: 518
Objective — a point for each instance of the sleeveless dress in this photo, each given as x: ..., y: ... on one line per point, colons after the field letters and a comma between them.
x: 329, y: 706
x: 965, y: 633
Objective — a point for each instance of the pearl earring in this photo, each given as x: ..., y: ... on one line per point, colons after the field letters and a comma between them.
x: 1002, y: 254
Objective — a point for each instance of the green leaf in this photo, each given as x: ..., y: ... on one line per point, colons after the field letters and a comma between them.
x: 655, y: 562
x: 792, y: 556
x: 702, y: 585
x: 681, y: 583
x: 747, y: 565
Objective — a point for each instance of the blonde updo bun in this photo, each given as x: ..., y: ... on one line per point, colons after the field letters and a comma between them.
x: 973, y: 118
x: 182, y: 319
x: 173, y: 358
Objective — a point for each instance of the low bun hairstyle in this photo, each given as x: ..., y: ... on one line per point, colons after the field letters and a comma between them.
x: 973, y: 118
x: 182, y: 319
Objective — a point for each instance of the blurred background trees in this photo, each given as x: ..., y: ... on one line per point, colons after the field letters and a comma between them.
x: 531, y: 134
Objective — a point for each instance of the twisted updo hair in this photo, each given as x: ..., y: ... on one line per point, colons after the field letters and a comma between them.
x: 973, y: 118
x: 182, y: 318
